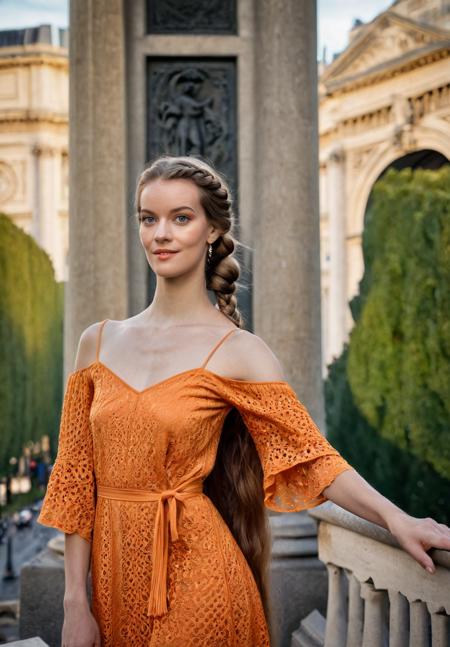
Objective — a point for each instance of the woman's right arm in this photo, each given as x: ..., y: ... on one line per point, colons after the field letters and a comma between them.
x: 80, y: 627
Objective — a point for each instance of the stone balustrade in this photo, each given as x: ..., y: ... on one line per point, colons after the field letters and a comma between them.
x: 378, y: 595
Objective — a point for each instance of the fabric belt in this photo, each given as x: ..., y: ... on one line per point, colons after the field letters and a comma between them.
x: 165, y: 526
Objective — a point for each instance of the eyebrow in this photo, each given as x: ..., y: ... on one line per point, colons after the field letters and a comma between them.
x: 171, y: 211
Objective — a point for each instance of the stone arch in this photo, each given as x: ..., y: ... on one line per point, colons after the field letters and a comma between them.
x: 436, y: 140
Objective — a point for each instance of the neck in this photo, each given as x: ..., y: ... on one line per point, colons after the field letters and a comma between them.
x: 180, y: 300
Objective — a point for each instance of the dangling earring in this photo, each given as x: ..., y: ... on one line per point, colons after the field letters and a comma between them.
x: 209, y: 253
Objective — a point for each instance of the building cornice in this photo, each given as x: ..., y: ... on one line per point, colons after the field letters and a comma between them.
x: 411, y: 61
x: 432, y: 44
x: 17, y: 57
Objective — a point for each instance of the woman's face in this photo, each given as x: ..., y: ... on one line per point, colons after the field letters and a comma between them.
x: 171, y: 218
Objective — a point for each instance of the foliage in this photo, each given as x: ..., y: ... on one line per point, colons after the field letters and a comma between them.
x: 31, y: 321
x: 388, y: 394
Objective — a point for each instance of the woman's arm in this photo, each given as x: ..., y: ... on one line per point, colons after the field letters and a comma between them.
x: 352, y: 492
x: 77, y: 554
x: 80, y: 627
x: 356, y: 495
x: 250, y: 358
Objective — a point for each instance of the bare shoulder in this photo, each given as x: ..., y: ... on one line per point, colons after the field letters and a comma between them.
x: 87, y: 346
x: 253, y: 359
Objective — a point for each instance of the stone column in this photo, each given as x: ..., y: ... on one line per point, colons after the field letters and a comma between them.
x: 97, y: 285
x: 286, y: 269
x: 336, y: 214
x: 286, y: 215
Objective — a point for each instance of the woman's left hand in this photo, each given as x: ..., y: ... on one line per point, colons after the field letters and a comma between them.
x: 416, y: 536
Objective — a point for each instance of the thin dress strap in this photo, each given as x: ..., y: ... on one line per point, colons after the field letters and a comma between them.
x: 99, y: 337
x: 213, y: 350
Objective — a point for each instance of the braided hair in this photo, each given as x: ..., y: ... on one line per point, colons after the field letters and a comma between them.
x: 235, y: 484
x: 222, y: 269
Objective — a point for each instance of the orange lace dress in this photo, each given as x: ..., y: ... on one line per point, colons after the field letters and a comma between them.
x: 166, y: 570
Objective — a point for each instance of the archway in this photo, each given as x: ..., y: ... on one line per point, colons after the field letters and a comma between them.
x: 432, y: 155
x: 424, y: 159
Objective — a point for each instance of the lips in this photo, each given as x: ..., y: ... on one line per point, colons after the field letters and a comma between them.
x: 165, y: 254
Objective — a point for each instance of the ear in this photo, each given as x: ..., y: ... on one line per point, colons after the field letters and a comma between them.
x: 214, y: 234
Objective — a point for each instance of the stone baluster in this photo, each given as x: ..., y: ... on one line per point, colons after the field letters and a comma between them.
x: 375, y: 633
x: 336, y: 629
x: 398, y: 619
x: 355, y: 611
x: 419, y: 624
x: 440, y: 630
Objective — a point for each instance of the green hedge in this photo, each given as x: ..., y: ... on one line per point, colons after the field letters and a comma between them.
x: 388, y: 395
x: 31, y: 328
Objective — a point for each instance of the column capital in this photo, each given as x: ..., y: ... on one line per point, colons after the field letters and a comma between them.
x: 41, y: 150
x: 337, y: 154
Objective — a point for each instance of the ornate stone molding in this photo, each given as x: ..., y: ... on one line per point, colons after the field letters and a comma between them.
x: 8, y: 182
x: 191, y: 17
x: 337, y: 155
x: 389, y: 45
x: 360, y: 156
x: 35, y: 116
x: 402, y: 111
x: 56, y: 60
x: 41, y: 150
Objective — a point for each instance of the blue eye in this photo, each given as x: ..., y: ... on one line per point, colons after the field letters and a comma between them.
x: 142, y: 218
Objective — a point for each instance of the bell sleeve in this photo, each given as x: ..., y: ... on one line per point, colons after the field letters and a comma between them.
x: 297, y: 460
x: 69, y: 502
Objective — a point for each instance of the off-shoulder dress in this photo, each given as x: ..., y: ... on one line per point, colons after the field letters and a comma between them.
x: 166, y: 570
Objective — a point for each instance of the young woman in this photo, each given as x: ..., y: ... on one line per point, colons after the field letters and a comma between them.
x: 178, y: 429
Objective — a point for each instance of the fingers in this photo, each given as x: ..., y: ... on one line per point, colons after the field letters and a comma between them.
x: 419, y: 554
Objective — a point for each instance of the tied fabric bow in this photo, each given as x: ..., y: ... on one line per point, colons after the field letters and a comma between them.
x: 165, y: 526
x: 165, y: 523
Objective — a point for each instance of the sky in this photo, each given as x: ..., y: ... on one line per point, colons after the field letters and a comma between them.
x: 335, y: 18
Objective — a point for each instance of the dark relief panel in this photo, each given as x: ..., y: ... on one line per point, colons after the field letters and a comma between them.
x: 191, y: 110
x: 191, y: 17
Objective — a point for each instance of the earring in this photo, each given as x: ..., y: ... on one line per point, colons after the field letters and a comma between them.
x: 209, y: 252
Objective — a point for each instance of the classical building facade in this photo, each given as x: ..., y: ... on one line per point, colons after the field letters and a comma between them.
x: 385, y: 100
x: 34, y: 137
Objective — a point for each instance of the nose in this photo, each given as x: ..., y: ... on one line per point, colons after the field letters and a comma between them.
x: 162, y: 231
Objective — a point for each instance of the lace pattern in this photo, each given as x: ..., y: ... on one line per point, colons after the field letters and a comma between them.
x: 298, y: 461
x: 115, y: 436
x: 70, y: 500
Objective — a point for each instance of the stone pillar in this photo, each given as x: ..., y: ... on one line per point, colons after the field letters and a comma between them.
x: 286, y: 267
x: 97, y: 285
x: 44, y: 216
x: 337, y: 231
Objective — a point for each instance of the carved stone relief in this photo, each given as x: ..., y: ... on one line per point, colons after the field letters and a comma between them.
x: 191, y: 17
x: 359, y: 157
x: 192, y: 111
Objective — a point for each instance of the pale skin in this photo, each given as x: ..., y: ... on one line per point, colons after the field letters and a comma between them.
x: 181, y: 300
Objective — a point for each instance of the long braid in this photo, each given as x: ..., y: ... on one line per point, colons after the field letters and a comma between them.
x: 235, y: 484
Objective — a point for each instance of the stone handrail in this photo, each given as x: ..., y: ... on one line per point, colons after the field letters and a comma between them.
x: 378, y: 595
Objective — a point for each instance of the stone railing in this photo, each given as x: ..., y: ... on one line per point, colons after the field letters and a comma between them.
x: 378, y: 595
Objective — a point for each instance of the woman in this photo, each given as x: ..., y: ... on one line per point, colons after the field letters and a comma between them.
x: 178, y: 428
